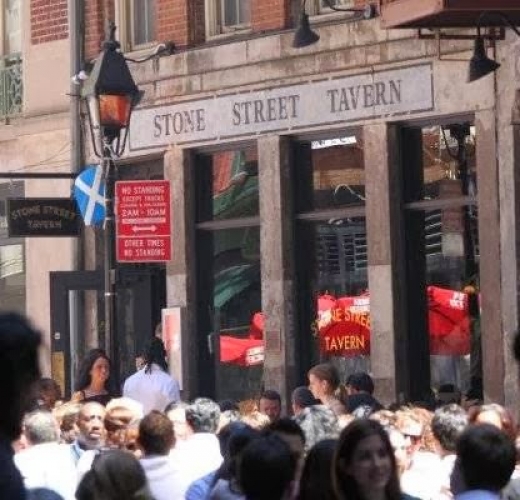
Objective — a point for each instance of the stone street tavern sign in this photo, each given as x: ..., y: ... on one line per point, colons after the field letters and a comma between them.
x: 325, y: 102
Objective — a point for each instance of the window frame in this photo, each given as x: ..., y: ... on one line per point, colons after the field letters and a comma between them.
x: 124, y: 20
x: 316, y: 8
x: 214, y: 21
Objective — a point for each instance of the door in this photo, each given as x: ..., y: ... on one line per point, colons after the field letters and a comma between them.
x: 77, y: 323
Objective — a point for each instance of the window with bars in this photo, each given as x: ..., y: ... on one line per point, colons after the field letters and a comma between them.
x: 227, y: 16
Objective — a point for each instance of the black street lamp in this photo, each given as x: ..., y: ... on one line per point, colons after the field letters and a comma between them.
x: 110, y: 94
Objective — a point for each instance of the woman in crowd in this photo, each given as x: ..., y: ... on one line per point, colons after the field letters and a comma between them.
x: 325, y: 385
x: 315, y: 481
x: 115, y: 475
x: 94, y: 383
x: 364, y: 465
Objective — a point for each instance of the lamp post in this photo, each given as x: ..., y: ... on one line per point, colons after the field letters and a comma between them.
x: 110, y: 94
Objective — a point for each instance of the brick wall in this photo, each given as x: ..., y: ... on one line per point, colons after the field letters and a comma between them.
x: 95, y: 25
x: 181, y: 21
x: 270, y: 14
x: 48, y: 21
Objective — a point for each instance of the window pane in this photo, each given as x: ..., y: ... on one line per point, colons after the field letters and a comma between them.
x: 444, y: 269
x: 334, y: 301
x: 12, y: 278
x: 13, y: 27
x: 448, y: 164
x: 228, y: 185
x: 144, y: 15
x: 230, y: 270
x: 236, y: 12
x: 330, y: 174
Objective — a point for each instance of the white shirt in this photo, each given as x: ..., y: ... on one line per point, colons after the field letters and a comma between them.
x: 198, y: 456
x: 48, y: 465
x: 164, y: 479
x: 154, y: 390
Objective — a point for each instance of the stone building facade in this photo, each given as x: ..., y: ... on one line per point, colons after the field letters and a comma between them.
x: 361, y: 166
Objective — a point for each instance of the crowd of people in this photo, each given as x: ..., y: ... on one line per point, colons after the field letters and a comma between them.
x: 335, y: 442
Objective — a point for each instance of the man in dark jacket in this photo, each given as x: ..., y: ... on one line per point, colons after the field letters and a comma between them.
x: 360, y: 401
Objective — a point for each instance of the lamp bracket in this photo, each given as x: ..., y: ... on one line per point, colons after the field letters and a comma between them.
x: 494, y: 34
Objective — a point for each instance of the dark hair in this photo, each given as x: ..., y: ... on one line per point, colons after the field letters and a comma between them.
x: 516, y: 346
x: 316, y: 479
x: 46, y: 386
x: 155, y: 353
x: 203, y: 415
x: 114, y: 475
x: 271, y: 396
x: 486, y: 457
x: 285, y: 425
x: 361, y: 381
x: 302, y: 397
x: 448, y: 423
x: 84, y: 377
x: 266, y: 468
x: 327, y: 372
x: 156, y: 436
x: 228, y: 405
x: 345, y: 485
x: 239, y: 435
x: 19, y: 369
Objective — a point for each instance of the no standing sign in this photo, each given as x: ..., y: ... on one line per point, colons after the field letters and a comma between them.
x: 143, y: 221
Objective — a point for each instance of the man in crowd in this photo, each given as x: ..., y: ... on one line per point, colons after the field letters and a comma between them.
x: 45, y: 463
x: 91, y: 429
x: 156, y: 439
x: 270, y: 404
x: 360, y: 401
x: 485, y: 461
x: 19, y: 370
x: 200, y: 452
x: 152, y: 386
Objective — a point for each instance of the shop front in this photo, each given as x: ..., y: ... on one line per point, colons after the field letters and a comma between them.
x: 337, y: 216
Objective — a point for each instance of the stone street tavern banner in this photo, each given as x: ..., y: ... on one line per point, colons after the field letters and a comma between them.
x: 332, y: 101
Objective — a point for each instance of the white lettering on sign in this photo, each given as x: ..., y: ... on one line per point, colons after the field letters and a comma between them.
x: 347, y: 99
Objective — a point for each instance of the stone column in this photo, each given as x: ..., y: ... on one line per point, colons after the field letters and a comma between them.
x: 384, y: 275
x: 181, y: 270
x: 493, y: 365
x: 277, y: 264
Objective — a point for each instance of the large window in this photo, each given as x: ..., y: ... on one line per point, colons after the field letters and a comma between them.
x: 11, y: 78
x: 331, y: 254
x: 228, y: 269
x: 137, y: 22
x: 442, y: 245
x: 227, y: 16
x: 12, y: 256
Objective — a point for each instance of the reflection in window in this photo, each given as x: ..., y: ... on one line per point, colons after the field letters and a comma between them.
x: 332, y: 252
x: 446, y: 247
x: 231, y: 177
x: 12, y: 278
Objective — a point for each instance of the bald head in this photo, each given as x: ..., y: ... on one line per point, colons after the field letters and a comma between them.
x: 91, y: 425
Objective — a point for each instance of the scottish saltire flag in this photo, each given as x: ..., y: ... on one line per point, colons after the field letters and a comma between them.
x: 89, y: 193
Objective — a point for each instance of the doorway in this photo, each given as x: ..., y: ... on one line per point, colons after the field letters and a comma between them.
x: 77, y: 323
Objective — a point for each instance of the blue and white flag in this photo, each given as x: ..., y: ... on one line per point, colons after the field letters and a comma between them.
x: 89, y: 192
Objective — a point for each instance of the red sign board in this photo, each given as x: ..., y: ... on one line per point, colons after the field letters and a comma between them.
x: 143, y: 221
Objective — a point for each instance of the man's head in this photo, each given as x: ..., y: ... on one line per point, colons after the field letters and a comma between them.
x: 485, y: 460
x: 360, y: 382
x: 270, y: 404
x: 91, y: 427
x: 49, y: 392
x: 302, y: 398
x: 40, y: 427
x: 266, y: 469
x: 156, y: 435
x: 19, y: 370
x: 203, y: 415
x: 448, y: 423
